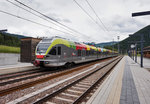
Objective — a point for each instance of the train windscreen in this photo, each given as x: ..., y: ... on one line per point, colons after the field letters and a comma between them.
x: 42, y: 47
x: 47, y: 40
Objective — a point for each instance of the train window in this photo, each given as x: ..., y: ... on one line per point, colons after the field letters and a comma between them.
x: 59, y: 50
x: 92, y: 52
x: 83, y: 52
x: 79, y: 52
x: 87, y: 53
x: 42, y: 47
x: 47, y: 40
x: 53, y: 51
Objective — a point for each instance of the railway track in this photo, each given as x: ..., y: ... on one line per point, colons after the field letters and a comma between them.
x: 13, y: 75
x: 37, y: 70
x: 22, y: 78
x: 73, y: 88
x: 21, y: 83
x: 75, y: 92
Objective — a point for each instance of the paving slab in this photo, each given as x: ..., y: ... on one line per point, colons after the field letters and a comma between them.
x: 109, y: 91
x: 141, y: 78
x: 128, y: 83
x: 128, y: 93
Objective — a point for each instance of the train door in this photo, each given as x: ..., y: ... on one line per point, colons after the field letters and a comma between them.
x: 59, y: 53
x: 79, y: 54
x: 55, y: 54
x: 83, y: 54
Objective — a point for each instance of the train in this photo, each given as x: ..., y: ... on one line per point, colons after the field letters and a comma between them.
x: 56, y: 52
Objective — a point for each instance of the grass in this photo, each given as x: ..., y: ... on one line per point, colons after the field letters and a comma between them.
x: 9, y: 49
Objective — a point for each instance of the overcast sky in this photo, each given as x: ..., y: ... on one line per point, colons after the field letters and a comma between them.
x: 115, y: 15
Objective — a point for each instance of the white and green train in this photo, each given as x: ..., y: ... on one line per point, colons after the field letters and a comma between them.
x: 55, y: 52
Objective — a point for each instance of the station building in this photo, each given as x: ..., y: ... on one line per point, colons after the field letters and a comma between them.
x: 28, y: 46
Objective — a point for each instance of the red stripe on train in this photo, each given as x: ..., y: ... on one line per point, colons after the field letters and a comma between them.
x: 40, y: 56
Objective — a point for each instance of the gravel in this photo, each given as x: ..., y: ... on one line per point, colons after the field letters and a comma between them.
x: 91, y: 79
x: 17, y: 94
x: 23, y: 76
x: 19, y: 73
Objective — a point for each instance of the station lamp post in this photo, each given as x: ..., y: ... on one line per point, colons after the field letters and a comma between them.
x: 141, y: 14
x: 134, y: 46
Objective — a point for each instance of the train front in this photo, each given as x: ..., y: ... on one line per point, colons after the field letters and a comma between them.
x: 40, y: 51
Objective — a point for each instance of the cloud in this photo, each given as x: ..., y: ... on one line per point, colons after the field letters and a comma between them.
x: 115, y: 14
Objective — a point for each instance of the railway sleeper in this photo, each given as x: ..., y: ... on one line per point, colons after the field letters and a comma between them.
x: 78, y: 88
x: 82, y: 85
x: 67, y: 94
x: 57, y: 98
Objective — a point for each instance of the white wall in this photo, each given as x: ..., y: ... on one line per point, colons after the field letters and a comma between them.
x: 9, y: 58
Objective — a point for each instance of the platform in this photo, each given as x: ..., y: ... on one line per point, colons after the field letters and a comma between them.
x: 128, y: 83
x: 18, y: 67
x: 146, y: 62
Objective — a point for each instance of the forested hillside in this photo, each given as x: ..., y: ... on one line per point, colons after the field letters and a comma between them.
x: 105, y: 44
x: 136, y: 37
x: 8, y: 40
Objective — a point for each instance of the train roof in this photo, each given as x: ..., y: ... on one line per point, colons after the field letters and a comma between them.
x: 75, y: 45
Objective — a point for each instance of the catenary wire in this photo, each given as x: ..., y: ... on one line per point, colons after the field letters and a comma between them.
x: 49, y: 18
x: 88, y: 14
x: 46, y: 20
x: 33, y: 22
x: 96, y: 14
x: 36, y: 15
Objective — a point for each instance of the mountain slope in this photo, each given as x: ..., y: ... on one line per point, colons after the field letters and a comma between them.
x: 136, y: 37
x: 14, y: 35
x: 9, y: 40
x: 105, y: 44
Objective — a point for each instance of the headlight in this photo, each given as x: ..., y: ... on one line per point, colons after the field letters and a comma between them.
x: 46, y: 62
